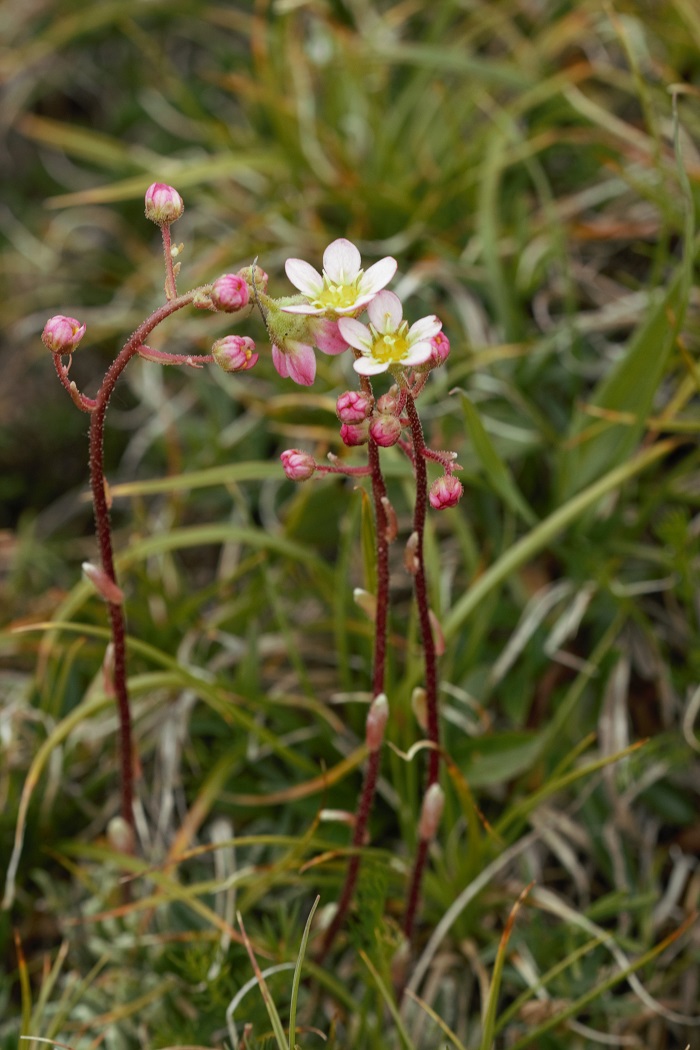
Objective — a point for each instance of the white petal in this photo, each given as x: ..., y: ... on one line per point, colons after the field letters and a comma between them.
x: 385, y: 312
x: 304, y: 277
x: 341, y: 261
x: 302, y: 308
x: 426, y: 328
x: 355, y: 333
x: 417, y: 355
x: 365, y: 366
x: 378, y: 276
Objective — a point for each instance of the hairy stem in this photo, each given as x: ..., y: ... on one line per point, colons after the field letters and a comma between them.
x: 369, y: 786
x: 429, y: 654
x: 103, y: 527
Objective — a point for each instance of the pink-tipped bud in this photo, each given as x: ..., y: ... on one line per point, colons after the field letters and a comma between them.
x: 257, y: 274
x: 353, y: 407
x: 103, y: 584
x: 445, y: 492
x: 440, y: 345
x: 433, y: 805
x: 61, y: 334
x: 389, y: 403
x: 297, y: 465
x: 230, y: 293
x: 385, y: 430
x: 234, y: 353
x: 419, y: 706
x: 163, y: 204
x: 410, y: 557
x: 377, y: 718
x: 354, y: 433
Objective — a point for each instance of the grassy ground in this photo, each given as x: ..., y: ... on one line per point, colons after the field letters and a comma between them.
x: 524, y: 163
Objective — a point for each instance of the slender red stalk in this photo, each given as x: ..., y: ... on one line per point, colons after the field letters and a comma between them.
x: 103, y: 527
x: 369, y: 786
x: 429, y: 654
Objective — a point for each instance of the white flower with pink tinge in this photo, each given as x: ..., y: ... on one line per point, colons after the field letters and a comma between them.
x: 343, y: 288
x: 387, y: 340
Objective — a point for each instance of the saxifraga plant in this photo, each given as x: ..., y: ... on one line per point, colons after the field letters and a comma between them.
x: 324, y: 315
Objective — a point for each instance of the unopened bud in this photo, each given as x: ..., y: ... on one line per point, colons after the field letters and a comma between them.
x: 163, y: 204
x: 230, y: 293
x: 377, y: 717
x: 440, y: 349
x: 389, y: 403
x: 297, y: 465
x: 410, y: 556
x: 431, y: 812
x: 445, y: 492
x: 419, y: 706
x: 61, y: 334
x: 365, y: 601
x: 385, y: 430
x: 234, y: 353
x: 437, y: 632
x: 354, y: 433
x: 255, y: 276
x: 120, y: 836
x: 103, y: 584
x: 353, y: 406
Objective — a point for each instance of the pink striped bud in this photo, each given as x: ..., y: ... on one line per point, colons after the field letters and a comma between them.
x: 385, y: 430
x: 433, y: 805
x: 163, y: 204
x: 103, y: 584
x: 298, y: 466
x: 353, y: 407
x: 355, y: 433
x: 440, y: 345
x: 234, y: 353
x: 230, y: 292
x: 377, y: 717
x: 61, y: 334
x: 445, y: 492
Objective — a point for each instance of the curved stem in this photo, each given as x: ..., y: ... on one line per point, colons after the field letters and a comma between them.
x: 103, y: 527
x: 369, y: 786
x: 429, y: 654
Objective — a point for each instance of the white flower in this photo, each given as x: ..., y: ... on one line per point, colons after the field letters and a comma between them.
x: 388, y: 340
x: 343, y: 288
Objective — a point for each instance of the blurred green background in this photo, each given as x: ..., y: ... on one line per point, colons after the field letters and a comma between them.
x: 521, y: 160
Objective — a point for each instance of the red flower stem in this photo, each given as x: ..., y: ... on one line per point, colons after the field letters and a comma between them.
x: 170, y: 284
x: 369, y: 786
x: 85, y: 404
x: 103, y: 527
x: 429, y: 655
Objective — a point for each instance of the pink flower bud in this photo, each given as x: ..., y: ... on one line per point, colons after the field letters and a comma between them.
x: 103, y: 584
x: 298, y: 466
x: 163, y: 204
x: 354, y: 433
x: 433, y: 805
x: 385, y: 430
x: 61, y: 334
x: 388, y: 403
x: 377, y: 717
x: 445, y: 492
x: 261, y: 278
x: 440, y: 350
x: 353, y: 407
x: 234, y: 353
x: 230, y: 293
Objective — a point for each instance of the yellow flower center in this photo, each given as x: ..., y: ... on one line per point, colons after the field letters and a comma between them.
x: 337, y: 296
x: 390, y: 347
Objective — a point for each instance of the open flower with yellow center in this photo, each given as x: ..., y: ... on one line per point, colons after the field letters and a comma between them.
x: 388, y: 341
x: 343, y: 288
